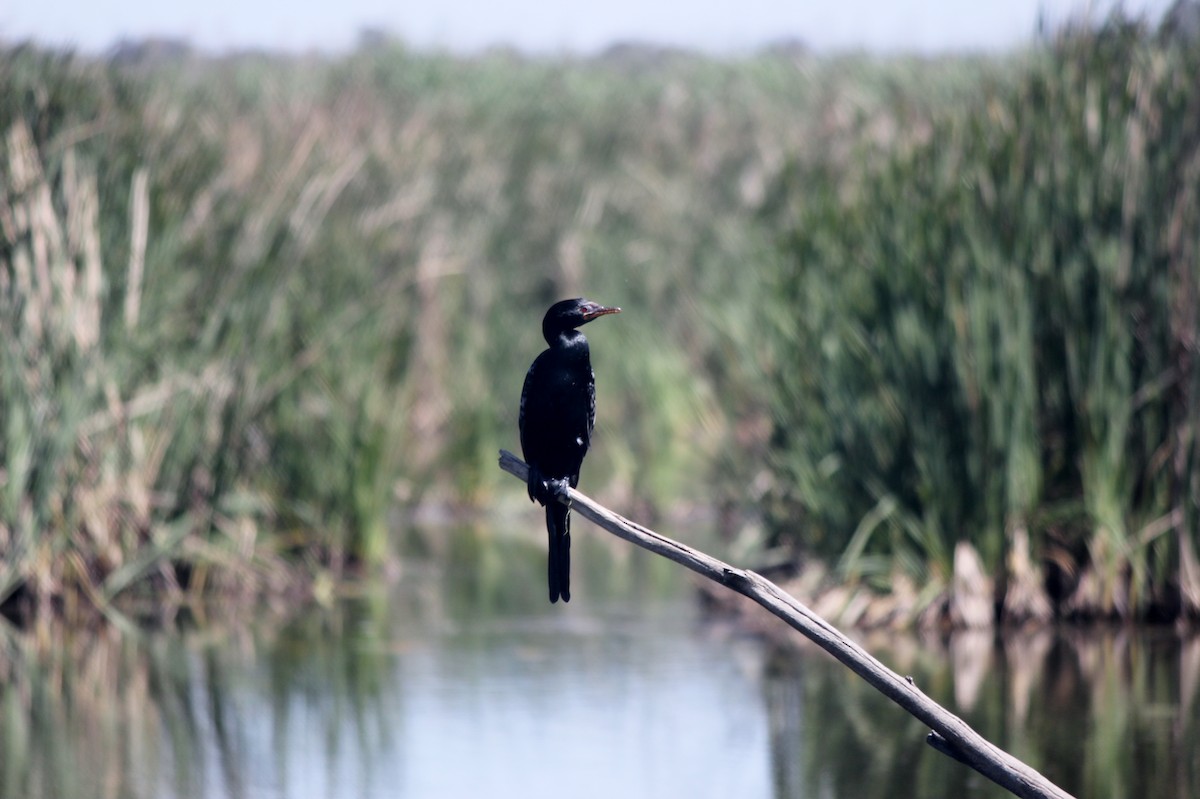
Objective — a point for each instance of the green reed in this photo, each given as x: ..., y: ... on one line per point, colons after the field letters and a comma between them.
x: 993, y: 331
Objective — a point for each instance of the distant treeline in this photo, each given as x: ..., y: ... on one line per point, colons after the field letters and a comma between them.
x: 253, y: 304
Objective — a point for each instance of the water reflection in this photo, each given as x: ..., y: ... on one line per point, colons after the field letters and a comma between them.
x: 462, y: 681
x: 1102, y: 713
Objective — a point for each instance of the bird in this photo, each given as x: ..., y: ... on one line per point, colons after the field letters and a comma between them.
x: 558, y: 412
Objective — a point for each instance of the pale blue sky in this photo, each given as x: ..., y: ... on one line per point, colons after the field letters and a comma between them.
x: 547, y: 27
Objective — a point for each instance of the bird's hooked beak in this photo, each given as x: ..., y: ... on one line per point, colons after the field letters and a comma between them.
x: 594, y: 310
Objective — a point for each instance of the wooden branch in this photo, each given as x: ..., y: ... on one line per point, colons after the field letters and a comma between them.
x: 950, y: 734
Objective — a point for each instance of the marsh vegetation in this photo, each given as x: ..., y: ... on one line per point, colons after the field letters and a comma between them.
x: 255, y: 307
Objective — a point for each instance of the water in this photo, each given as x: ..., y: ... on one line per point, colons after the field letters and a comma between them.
x: 462, y: 681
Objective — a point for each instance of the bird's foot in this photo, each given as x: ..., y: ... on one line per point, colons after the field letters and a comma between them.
x: 538, y: 487
x: 558, y: 489
x: 543, y: 490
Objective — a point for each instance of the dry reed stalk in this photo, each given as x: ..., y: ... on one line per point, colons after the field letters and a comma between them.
x: 139, y: 215
x: 1025, y: 596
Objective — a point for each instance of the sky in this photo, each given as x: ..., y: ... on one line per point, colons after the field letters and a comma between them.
x: 541, y: 27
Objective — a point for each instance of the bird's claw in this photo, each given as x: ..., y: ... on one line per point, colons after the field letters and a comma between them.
x: 558, y: 488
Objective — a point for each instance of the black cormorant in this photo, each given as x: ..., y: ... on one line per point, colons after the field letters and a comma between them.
x: 558, y: 411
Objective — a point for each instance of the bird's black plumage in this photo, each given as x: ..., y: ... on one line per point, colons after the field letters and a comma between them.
x: 558, y: 412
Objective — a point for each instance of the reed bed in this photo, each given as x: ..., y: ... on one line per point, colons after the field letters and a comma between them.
x: 254, y: 305
x: 994, y: 341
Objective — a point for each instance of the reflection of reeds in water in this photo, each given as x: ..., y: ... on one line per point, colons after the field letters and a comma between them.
x: 112, y: 712
x: 1101, y: 713
x: 971, y: 661
x: 1025, y: 654
x: 79, y: 708
x: 1189, y: 680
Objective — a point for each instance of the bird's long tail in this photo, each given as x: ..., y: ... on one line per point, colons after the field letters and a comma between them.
x: 558, y: 526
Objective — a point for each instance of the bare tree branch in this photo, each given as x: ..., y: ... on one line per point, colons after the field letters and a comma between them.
x: 950, y: 734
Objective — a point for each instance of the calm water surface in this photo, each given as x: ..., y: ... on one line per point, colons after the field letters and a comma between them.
x: 462, y: 681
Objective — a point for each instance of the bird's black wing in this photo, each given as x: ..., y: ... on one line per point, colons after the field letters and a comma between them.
x: 591, y: 392
x: 591, y: 423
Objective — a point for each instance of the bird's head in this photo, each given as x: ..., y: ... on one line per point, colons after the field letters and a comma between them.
x: 570, y: 314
